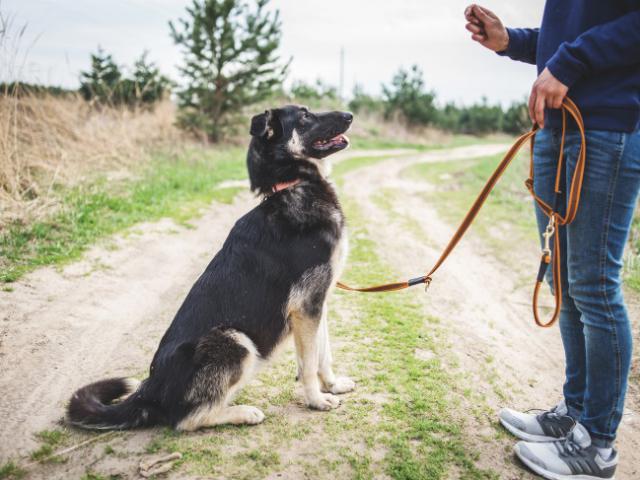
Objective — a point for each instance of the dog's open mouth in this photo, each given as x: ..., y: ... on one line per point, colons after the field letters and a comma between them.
x: 338, y: 142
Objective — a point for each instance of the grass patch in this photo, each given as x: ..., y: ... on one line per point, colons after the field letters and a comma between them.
x: 11, y: 471
x: 398, y: 423
x: 423, y: 440
x: 355, y: 163
x: 51, y: 439
x: 376, y: 141
x: 174, y: 187
x: 506, y: 219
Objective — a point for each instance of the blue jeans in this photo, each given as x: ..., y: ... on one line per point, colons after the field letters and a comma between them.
x: 594, y: 324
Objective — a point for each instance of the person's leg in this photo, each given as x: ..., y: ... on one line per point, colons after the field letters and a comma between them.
x: 596, y: 241
x: 545, y: 161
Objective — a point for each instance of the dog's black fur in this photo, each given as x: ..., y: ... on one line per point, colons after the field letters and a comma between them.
x: 271, y: 278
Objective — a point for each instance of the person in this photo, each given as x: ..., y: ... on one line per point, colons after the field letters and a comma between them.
x: 590, y: 51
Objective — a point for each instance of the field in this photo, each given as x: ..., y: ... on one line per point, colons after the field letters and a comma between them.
x: 95, y: 265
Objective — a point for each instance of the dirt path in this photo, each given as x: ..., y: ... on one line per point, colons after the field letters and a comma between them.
x: 103, y: 316
x: 486, y: 305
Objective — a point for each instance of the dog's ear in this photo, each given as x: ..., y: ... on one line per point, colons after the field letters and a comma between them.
x: 262, y: 125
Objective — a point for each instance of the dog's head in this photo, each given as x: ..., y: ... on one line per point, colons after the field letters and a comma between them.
x: 285, y: 141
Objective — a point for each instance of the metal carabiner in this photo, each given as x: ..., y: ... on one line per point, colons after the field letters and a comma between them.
x: 548, y: 233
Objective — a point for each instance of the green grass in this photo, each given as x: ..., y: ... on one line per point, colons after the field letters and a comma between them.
x: 11, y: 471
x: 51, y: 439
x: 169, y: 187
x: 422, y: 438
x: 376, y: 141
x: 398, y: 423
x: 411, y: 423
x: 507, y: 218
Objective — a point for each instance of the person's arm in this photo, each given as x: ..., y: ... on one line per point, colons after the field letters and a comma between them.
x: 487, y: 29
x: 610, y: 45
x: 523, y: 44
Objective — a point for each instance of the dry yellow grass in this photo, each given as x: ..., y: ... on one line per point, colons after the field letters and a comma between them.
x: 47, y: 140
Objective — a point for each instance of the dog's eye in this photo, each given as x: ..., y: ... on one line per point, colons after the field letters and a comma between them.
x: 306, y: 115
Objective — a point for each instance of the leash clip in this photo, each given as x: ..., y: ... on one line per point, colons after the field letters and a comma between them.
x: 548, y: 233
x: 427, y: 283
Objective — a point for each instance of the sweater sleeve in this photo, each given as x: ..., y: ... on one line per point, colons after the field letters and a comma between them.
x: 523, y: 44
x: 610, y: 45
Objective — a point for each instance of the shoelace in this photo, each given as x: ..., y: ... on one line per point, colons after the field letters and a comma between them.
x: 568, y: 446
x: 552, y: 414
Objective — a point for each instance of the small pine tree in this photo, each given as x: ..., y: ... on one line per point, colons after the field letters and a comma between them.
x: 100, y: 83
x: 104, y: 83
x: 407, y: 95
x: 230, y: 61
x: 362, y: 102
x: 150, y: 85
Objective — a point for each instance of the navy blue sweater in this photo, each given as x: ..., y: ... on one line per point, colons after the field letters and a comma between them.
x: 593, y: 47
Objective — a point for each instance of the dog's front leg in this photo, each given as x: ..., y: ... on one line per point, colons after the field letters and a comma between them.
x: 305, y: 335
x: 330, y: 383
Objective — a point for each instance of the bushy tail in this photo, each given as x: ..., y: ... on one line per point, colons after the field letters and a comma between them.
x: 92, y: 406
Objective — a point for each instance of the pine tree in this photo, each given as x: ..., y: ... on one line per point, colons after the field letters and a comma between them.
x: 100, y: 83
x: 150, y: 85
x: 230, y: 61
x: 105, y: 84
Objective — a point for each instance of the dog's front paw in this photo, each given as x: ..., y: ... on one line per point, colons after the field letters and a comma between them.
x: 342, y: 385
x: 249, y: 415
x: 324, y: 401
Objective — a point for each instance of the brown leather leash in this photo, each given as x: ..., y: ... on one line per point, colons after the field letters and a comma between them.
x: 549, y: 256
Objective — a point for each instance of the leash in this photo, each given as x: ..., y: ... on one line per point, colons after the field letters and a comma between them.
x: 549, y: 256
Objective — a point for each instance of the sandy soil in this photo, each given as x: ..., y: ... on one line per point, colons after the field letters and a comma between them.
x: 103, y: 315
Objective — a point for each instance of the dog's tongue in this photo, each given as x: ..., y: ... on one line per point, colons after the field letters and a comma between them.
x: 337, y: 140
x: 342, y: 138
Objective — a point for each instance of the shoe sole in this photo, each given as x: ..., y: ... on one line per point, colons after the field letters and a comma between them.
x: 529, y: 437
x: 551, y: 475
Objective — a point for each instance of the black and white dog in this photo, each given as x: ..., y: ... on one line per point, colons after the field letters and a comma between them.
x: 271, y: 280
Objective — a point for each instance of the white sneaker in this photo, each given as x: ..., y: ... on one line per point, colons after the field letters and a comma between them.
x: 547, y: 426
x: 574, y: 458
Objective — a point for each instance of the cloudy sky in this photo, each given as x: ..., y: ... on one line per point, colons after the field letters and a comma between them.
x: 378, y: 36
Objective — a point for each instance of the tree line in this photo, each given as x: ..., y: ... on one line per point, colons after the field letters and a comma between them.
x: 231, y: 61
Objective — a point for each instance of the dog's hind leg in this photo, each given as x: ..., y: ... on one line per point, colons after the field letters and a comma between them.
x: 305, y: 335
x: 228, y: 360
x: 330, y: 383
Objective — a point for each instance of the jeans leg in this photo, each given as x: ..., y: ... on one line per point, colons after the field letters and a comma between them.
x: 546, y: 152
x: 596, y: 241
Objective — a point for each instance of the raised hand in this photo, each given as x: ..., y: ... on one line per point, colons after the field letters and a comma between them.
x: 486, y: 28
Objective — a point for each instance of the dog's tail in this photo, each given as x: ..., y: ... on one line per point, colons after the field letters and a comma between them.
x: 93, y: 406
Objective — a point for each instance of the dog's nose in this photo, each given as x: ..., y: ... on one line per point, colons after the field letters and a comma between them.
x: 348, y: 117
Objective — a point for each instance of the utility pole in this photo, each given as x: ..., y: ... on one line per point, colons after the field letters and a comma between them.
x: 341, y: 85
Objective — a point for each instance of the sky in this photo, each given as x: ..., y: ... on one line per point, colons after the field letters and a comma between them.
x: 378, y: 37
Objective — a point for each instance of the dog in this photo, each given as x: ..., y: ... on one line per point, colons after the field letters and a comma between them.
x: 270, y: 281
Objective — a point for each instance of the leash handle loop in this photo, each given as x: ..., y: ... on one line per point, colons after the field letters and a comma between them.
x: 549, y: 256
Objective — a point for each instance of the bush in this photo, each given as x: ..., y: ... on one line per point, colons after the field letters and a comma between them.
x: 105, y: 85
x: 365, y: 103
x: 315, y: 95
x: 406, y: 95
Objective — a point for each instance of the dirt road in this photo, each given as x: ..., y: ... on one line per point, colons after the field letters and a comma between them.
x: 104, y: 315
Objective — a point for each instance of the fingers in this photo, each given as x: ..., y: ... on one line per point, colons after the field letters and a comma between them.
x: 539, y: 110
x: 483, y: 14
x: 555, y: 102
x: 475, y: 29
x: 468, y: 14
x: 532, y: 103
x: 478, y: 37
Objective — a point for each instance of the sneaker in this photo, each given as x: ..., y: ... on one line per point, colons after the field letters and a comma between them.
x: 546, y: 426
x: 569, y: 459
